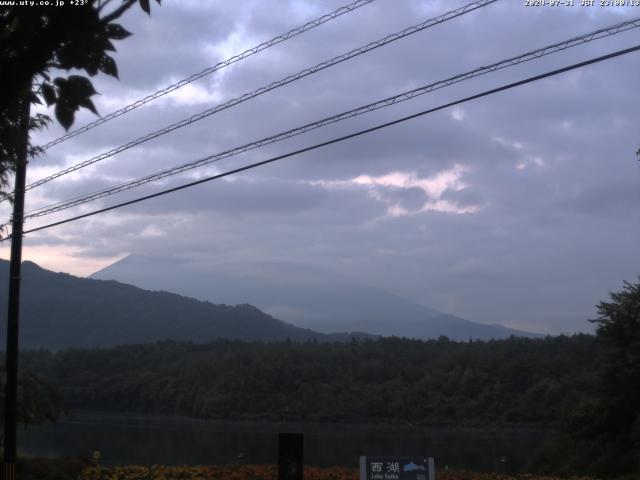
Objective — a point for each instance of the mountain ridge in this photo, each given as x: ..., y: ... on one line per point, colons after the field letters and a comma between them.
x: 59, y: 310
x: 300, y: 294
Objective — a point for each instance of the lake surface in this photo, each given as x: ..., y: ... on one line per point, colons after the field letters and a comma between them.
x: 147, y: 440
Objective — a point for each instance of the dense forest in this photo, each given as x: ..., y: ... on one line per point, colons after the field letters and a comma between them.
x: 514, y: 381
x: 586, y: 387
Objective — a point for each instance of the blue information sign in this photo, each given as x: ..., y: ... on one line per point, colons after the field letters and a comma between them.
x: 397, y: 468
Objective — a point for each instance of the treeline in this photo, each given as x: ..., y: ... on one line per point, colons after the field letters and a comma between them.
x: 504, y: 382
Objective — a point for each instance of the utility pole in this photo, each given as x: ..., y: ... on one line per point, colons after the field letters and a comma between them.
x: 13, y: 316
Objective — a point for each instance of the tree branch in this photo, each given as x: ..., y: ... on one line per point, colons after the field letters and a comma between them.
x: 118, y: 11
x: 102, y: 4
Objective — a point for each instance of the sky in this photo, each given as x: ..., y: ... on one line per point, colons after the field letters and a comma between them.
x: 519, y: 208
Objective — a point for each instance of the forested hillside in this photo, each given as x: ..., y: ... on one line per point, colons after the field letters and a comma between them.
x: 513, y: 381
x: 61, y: 311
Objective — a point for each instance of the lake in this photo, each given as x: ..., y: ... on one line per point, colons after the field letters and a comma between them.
x: 148, y: 440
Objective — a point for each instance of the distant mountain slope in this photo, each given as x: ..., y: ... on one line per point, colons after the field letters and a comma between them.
x: 302, y: 295
x: 59, y: 310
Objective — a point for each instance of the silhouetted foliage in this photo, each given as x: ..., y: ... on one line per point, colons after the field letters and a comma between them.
x: 605, y: 428
x: 35, y: 40
x: 67, y: 468
x: 619, y: 379
x: 38, y: 402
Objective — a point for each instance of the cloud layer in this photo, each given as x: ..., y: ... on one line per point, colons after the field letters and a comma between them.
x: 520, y: 208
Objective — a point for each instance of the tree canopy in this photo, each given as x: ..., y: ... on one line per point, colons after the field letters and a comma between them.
x: 38, y: 40
x: 38, y: 402
x: 619, y: 381
x: 504, y: 382
x: 605, y: 426
x: 39, y: 48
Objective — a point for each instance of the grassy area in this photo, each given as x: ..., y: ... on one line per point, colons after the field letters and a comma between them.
x: 83, y: 469
x: 67, y: 468
x: 266, y: 472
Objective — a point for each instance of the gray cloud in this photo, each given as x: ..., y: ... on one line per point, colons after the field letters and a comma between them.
x: 550, y: 167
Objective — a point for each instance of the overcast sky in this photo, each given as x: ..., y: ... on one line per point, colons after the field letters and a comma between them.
x: 520, y: 208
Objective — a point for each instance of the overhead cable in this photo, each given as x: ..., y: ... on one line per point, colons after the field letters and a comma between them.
x: 343, y: 138
x: 209, y: 70
x: 272, y: 86
x: 556, y: 47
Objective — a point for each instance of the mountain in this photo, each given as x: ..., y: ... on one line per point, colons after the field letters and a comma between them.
x: 300, y: 294
x: 59, y: 311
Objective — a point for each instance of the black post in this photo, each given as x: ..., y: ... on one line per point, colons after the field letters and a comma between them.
x: 290, y: 456
x: 11, y: 364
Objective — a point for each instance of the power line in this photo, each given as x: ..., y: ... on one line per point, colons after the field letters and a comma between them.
x: 272, y: 86
x: 345, y: 137
x: 560, y: 46
x: 601, y: 33
x: 209, y: 70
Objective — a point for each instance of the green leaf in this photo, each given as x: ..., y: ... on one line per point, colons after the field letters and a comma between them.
x: 108, y: 65
x: 117, y: 32
x: 92, y: 64
x: 39, y: 121
x: 65, y: 114
x: 73, y: 93
x: 144, y: 4
x: 81, y: 86
x: 49, y: 94
x: 88, y: 104
x: 33, y: 98
x: 74, y: 55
